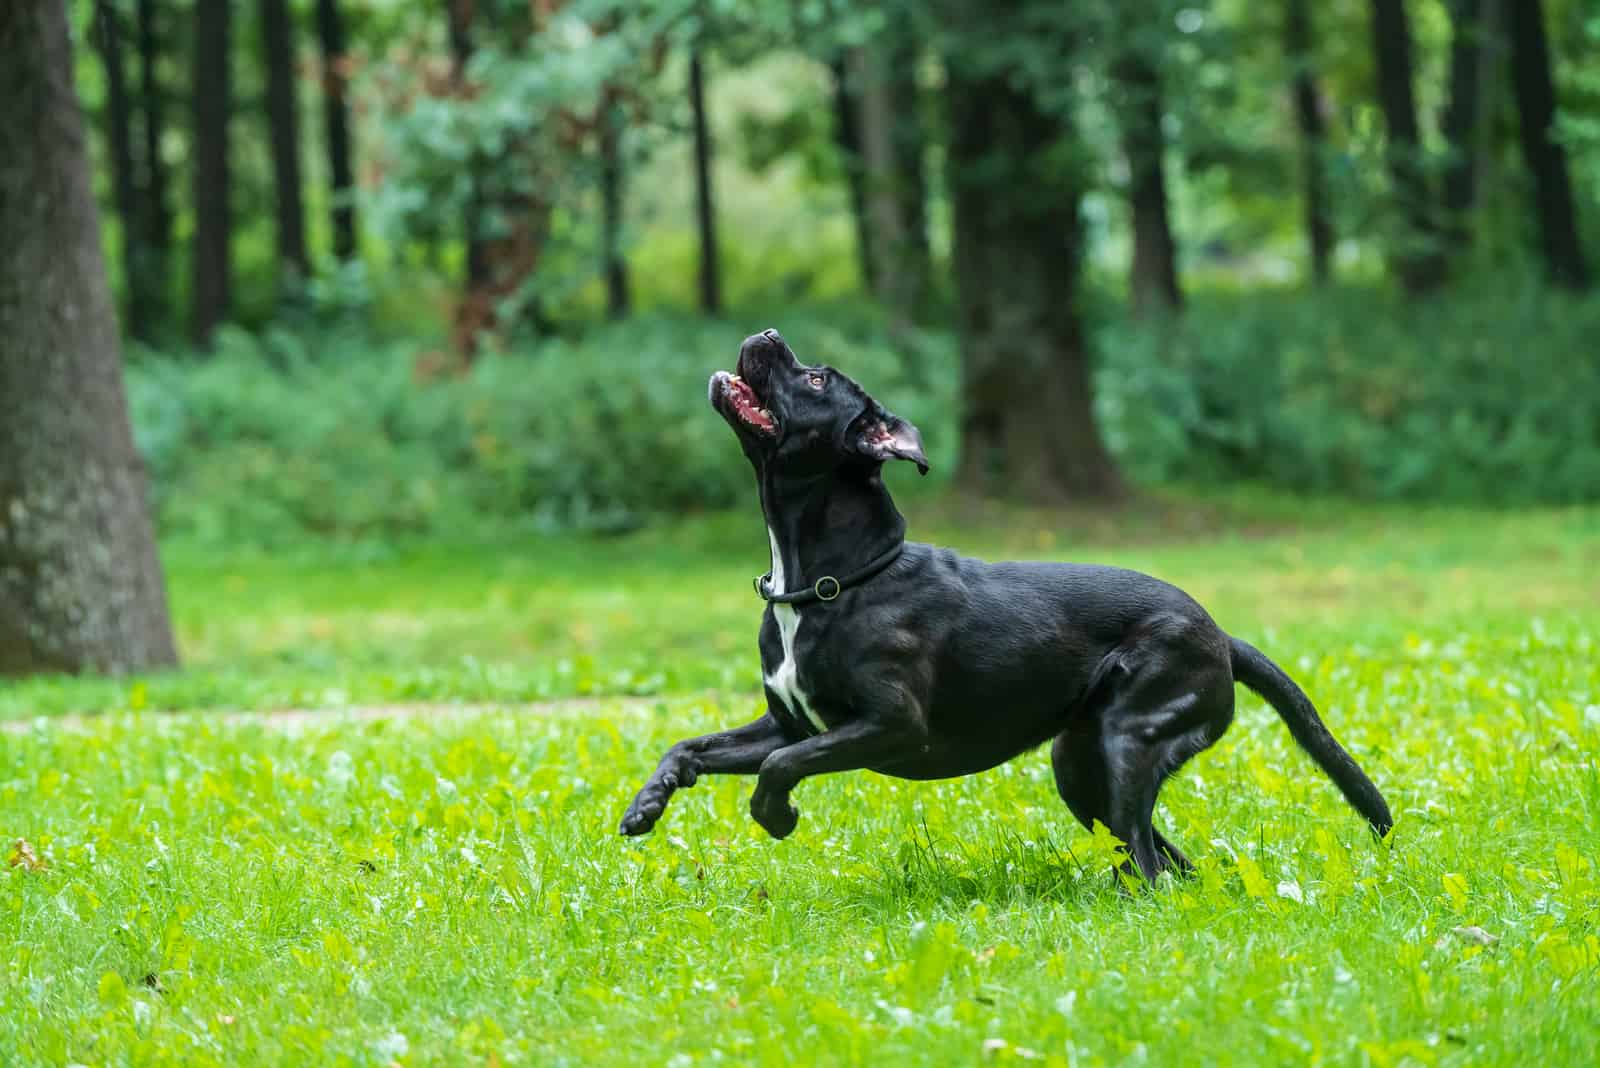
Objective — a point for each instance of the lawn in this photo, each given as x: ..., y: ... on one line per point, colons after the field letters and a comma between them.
x: 419, y: 864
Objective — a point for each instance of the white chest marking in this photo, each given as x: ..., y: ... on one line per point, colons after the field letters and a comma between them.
x: 785, y: 681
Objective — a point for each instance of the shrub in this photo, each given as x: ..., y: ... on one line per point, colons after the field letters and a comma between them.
x: 268, y: 440
x: 1490, y: 394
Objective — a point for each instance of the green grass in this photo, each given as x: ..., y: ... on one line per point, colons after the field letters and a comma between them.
x: 445, y: 886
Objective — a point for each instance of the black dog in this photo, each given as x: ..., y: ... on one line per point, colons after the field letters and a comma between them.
x: 916, y: 662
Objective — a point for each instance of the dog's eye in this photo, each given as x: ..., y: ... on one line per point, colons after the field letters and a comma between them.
x: 817, y: 381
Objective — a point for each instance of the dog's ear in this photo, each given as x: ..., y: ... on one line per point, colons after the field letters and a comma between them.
x: 882, y: 436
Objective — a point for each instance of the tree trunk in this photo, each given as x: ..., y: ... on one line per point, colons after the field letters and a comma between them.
x: 611, y: 181
x: 1299, y: 44
x: 108, y: 35
x: 1153, y: 280
x: 705, y: 206
x: 1028, y: 426
x: 336, y: 116
x: 1545, y: 157
x: 155, y: 248
x: 1460, y: 123
x: 80, y: 582
x: 1416, y: 260
x: 891, y: 142
x: 847, y: 138
x: 283, y: 119
x: 459, y: 15
x: 211, y: 286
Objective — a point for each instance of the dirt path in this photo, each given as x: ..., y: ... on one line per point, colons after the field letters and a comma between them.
x: 292, y: 718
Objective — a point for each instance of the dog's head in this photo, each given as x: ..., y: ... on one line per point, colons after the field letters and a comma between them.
x: 807, y: 420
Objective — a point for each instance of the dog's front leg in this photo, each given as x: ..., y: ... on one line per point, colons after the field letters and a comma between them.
x: 736, y: 752
x: 858, y: 744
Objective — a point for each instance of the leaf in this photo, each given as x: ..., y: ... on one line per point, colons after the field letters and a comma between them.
x: 1255, y: 884
x: 1455, y: 884
x: 22, y: 856
x: 1473, y: 933
x: 111, y: 988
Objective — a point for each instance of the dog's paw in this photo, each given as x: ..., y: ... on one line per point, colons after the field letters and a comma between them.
x: 642, y: 815
x: 777, y: 818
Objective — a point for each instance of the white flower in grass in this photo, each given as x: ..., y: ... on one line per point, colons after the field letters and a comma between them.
x: 391, y: 1047
x: 341, y: 770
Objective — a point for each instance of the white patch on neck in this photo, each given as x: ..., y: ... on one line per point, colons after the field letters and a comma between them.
x: 785, y: 680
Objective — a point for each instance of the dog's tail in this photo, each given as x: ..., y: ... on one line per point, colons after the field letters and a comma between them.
x: 1253, y: 668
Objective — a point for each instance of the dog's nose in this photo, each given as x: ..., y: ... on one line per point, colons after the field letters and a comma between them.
x: 765, y: 341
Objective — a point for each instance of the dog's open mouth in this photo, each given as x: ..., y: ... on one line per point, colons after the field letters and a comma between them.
x: 741, y: 399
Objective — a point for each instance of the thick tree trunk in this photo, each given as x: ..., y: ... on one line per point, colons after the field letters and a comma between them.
x: 847, y: 138
x: 1153, y: 280
x: 459, y: 15
x: 283, y: 119
x: 80, y: 583
x: 108, y: 35
x: 891, y: 142
x: 705, y: 205
x: 1460, y: 123
x: 1545, y: 157
x: 1417, y: 258
x: 1300, y: 45
x: 211, y: 285
x: 611, y: 207
x: 336, y: 117
x: 910, y: 168
x: 1028, y: 426
x: 155, y: 248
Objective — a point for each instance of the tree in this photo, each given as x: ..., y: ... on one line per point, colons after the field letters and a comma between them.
x: 1299, y: 44
x: 847, y: 139
x: 610, y: 122
x: 283, y: 120
x: 1417, y: 258
x: 155, y: 246
x: 1135, y: 72
x: 1545, y: 157
x: 80, y: 583
x: 888, y: 176
x: 705, y: 205
x: 1460, y: 125
x: 108, y: 35
x: 211, y: 258
x: 1016, y: 180
x: 458, y: 14
x: 336, y: 117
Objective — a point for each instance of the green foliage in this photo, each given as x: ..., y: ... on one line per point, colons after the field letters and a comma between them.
x: 1491, y: 394
x: 1489, y: 398
x: 437, y: 886
x: 272, y: 439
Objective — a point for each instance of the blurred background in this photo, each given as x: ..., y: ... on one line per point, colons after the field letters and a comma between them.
x: 389, y: 273
x: 392, y: 267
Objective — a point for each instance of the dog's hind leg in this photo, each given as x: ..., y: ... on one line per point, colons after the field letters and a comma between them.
x: 1079, y: 766
x: 736, y: 752
x: 1154, y: 713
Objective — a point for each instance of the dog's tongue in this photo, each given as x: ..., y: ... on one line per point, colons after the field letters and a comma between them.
x: 750, y: 410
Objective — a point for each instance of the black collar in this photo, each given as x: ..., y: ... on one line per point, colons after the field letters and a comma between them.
x: 827, y: 587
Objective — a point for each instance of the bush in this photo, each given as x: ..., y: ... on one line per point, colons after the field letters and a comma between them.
x: 1490, y: 394
x: 267, y: 439
x: 1492, y: 397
